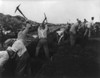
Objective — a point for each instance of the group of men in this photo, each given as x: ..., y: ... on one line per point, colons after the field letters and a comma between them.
x: 73, y: 30
x: 77, y: 26
x: 19, y: 51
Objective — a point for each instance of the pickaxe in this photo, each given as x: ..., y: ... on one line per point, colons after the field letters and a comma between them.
x: 45, y: 17
x: 17, y: 8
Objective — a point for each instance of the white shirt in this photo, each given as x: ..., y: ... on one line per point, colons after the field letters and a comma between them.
x: 34, y: 36
x: 89, y: 24
x: 18, y: 47
x: 42, y: 33
x: 60, y: 31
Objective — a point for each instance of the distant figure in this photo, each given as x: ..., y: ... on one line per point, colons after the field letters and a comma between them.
x: 42, y: 34
x: 73, y: 32
x: 60, y: 34
x: 85, y: 21
x: 92, y: 21
x: 89, y: 27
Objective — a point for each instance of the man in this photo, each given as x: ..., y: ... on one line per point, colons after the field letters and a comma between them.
x: 89, y: 26
x: 60, y: 34
x: 19, y: 52
x: 42, y: 34
x: 85, y: 26
x: 73, y: 32
x: 92, y: 21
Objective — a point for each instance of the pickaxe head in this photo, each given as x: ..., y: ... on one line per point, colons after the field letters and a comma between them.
x: 17, y: 8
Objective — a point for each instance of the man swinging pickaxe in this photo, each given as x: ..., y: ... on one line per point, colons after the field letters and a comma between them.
x: 17, y: 8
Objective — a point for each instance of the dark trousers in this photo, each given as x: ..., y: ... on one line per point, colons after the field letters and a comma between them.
x: 22, y: 63
x: 42, y: 42
x: 21, y: 70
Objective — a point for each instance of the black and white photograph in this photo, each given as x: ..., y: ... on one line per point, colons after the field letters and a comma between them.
x: 49, y: 38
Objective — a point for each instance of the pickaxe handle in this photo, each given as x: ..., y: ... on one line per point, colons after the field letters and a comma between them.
x: 45, y: 17
x: 22, y: 13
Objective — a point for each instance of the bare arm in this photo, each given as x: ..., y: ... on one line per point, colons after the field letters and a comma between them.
x: 25, y: 31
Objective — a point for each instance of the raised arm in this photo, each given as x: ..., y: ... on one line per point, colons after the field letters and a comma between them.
x: 25, y: 31
x: 46, y: 27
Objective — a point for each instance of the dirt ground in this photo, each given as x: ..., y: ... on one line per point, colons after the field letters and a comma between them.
x: 70, y: 62
x: 74, y: 62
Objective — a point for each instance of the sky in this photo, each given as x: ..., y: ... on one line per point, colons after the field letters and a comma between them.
x: 57, y: 11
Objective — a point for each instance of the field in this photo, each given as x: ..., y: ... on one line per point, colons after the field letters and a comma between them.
x: 76, y: 62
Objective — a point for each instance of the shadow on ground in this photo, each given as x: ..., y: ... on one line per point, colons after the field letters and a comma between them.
x: 75, y: 62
